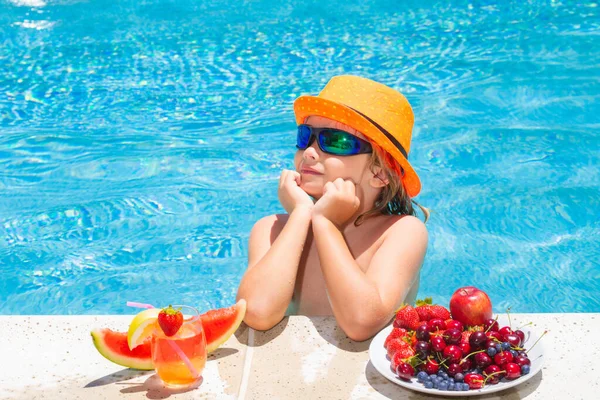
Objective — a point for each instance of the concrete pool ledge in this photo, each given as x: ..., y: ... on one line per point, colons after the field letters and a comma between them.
x: 52, y: 357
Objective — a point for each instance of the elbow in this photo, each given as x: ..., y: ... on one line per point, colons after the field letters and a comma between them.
x: 363, y: 327
x: 261, y: 318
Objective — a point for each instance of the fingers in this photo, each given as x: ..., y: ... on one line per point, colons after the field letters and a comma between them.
x: 288, y: 176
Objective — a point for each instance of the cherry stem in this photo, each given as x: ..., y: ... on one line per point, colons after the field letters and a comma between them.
x: 475, y: 352
x: 490, y: 327
x: 536, y: 341
x: 522, y: 326
x: 490, y: 375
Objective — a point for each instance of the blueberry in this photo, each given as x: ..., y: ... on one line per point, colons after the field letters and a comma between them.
x: 525, y: 369
x: 445, y: 375
x: 465, y: 387
x: 428, y: 384
x: 492, y: 351
x: 505, y: 345
x: 459, y: 377
x: 443, y: 386
x: 435, y: 383
x: 451, y: 386
x: 421, y: 376
x: 440, y: 373
x: 498, y: 347
x: 514, y: 353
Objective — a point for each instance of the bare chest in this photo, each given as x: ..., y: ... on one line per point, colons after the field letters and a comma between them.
x: 310, y: 293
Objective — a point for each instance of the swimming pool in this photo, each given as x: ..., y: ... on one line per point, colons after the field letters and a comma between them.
x: 140, y: 141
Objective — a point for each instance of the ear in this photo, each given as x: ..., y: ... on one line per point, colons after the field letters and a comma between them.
x: 379, y: 178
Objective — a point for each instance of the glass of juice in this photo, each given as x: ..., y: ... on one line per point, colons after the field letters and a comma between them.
x: 180, y: 359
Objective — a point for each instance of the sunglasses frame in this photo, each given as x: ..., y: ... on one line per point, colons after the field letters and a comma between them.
x: 364, y: 146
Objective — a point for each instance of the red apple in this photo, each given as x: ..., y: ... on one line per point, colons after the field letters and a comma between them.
x: 470, y: 306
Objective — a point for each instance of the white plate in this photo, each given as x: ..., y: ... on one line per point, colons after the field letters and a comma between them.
x: 380, y: 361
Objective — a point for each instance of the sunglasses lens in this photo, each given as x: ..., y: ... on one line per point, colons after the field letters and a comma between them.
x: 303, y: 136
x: 339, y: 143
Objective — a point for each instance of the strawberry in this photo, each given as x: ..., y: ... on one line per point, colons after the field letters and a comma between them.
x: 396, y: 345
x: 465, y: 336
x: 423, y: 309
x: 401, y: 355
x: 396, y: 333
x: 407, y: 318
x: 170, y: 320
x: 440, y: 312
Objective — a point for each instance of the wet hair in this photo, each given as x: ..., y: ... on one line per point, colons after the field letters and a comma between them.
x: 393, y: 199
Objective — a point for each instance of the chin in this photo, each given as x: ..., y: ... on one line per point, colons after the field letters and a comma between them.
x: 314, y: 191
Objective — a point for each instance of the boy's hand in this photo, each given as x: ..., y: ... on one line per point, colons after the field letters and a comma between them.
x: 290, y: 194
x: 339, y: 202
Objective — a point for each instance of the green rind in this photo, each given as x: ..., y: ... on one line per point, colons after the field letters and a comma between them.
x: 213, y: 322
x: 98, y: 336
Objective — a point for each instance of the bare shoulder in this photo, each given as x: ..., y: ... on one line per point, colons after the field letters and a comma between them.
x: 270, y: 225
x: 408, y: 227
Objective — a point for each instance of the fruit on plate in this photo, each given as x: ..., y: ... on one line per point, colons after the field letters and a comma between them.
x: 218, y: 327
x: 470, y: 306
x: 445, y: 355
x: 406, y: 318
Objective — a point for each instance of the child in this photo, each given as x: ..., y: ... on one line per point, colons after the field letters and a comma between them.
x: 349, y: 244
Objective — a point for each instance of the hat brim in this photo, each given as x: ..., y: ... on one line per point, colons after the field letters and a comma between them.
x: 305, y: 106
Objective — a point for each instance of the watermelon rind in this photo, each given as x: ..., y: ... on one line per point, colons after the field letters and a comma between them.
x: 124, y: 357
x: 218, y: 327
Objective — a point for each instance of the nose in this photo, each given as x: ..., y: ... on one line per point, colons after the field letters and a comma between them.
x: 311, y: 153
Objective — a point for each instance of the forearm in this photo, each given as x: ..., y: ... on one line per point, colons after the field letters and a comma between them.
x: 268, y: 285
x: 354, y: 299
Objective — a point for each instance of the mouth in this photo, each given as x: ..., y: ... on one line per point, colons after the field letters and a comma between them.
x: 309, y: 171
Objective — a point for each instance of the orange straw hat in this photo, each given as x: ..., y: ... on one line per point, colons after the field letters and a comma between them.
x: 375, y: 110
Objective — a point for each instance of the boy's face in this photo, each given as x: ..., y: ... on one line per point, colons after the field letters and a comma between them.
x: 317, y: 168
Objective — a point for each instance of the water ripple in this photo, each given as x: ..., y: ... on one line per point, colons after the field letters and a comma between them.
x: 141, y: 141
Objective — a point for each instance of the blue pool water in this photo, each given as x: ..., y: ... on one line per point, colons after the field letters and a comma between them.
x: 140, y: 141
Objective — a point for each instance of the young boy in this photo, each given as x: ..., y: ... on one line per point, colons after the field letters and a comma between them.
x: 349, y: 244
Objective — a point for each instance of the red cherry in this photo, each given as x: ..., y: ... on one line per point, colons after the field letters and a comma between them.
x: 452, y: 336
x: 520, y: 334
x: 452, y: 353
x: 505, y: 330
x: 454, y: 369
x: 493, y: 335
x: 465, y: 347
x: 405, y: 371
x: 482, y: 360
x: 513, y: 339
x: 490, y: 323
x: 513, y: 371
x: 490, y: 343
x: 450, y: 324
x: 475, y: 381
x: 422, y: 332
x: 493, y: 369
x: 466, y: 364
x: 438, y: 343
x: 522, y: 359
x: 436, y: 324
x: 431, y: 366
x: 477, y: 340
x: 503, y: 357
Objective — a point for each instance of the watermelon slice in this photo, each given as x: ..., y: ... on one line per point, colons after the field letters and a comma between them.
x: 218, y: 326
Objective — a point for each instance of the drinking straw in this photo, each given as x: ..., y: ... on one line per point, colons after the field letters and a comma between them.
x: 182, y: 355
x: 139, y: 305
